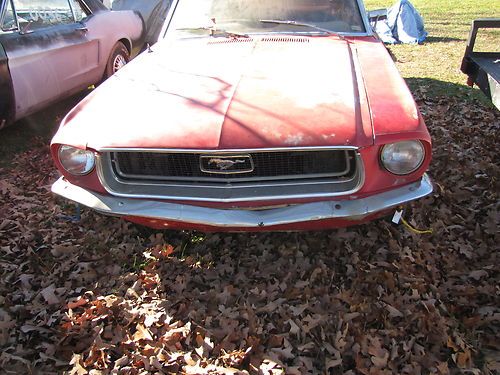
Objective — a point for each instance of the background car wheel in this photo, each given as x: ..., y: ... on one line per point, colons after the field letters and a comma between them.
x: 117, y: 60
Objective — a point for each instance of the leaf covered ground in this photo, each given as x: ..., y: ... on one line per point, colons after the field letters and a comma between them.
x: 102, y: 296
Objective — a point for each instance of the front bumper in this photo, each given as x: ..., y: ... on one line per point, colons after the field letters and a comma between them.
x: 188, y: 216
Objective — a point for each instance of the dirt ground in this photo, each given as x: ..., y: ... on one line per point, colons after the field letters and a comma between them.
x: 87, y: 294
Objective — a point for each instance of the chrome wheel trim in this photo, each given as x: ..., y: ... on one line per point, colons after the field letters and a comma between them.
x: 118, y: 63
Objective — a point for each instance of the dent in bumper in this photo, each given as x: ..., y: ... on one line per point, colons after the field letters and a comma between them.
x: 352, y: 210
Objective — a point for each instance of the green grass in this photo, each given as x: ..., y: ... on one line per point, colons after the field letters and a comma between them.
x: 436, y: 63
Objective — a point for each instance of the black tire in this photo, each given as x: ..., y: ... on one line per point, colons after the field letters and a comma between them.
x: 117, y: 59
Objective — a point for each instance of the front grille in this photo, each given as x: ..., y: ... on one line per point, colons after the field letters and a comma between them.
x: 227, y: 176
x: 197, y: 167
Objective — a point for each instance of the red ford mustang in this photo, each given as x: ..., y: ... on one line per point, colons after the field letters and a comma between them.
x: 247, y: 116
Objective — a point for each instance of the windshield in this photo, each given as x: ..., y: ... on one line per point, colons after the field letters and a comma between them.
x: 202, y: 17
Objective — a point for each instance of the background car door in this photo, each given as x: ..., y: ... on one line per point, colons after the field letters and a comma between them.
x: 48, y: 52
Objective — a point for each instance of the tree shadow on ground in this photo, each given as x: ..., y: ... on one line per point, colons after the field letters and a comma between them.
x: 437, y: 39
x: 429, y: 87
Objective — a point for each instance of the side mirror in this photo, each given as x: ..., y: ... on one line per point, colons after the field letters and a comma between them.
x: 24, y: 28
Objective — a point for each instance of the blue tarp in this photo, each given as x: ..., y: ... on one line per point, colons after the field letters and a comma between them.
x: 403, y: 25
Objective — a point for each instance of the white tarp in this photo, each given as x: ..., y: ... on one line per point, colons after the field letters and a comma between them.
x: 403, y: 25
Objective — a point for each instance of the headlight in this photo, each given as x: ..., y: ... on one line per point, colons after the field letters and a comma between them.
x: 75, y: 160
x: 402, y: 157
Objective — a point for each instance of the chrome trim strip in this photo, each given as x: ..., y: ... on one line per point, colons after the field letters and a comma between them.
x: 167, y: 180
x: 205, y: 185
x: 71, y: 6
x: 2, y: 18
x: 243, y: 182
x: 294, y: 33
x: 360, y: 174
x: 312, y: 33
x: 225, y: 151
x: 3, y: 9
x: 241, y: 218
x: 366, y: 20
x: 168, y: 19
x: 219, y: 185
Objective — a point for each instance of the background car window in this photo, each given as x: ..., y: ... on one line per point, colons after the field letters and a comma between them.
x: 37, y: 14
x: 80, y: 12
x: 9, y: 21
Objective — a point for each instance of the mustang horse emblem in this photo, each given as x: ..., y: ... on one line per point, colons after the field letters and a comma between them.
x: 224, y: 164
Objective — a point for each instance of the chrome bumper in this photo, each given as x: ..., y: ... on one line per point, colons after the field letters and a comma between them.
x: 347, y: 209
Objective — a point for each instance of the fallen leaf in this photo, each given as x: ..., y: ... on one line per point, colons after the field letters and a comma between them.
x: 49, y: 295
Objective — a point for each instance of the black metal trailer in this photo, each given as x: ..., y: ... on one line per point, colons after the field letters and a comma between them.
x: 483, y: 68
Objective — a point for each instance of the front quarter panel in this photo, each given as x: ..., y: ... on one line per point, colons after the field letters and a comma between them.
x: 394, y: 112
x: 109, y: 27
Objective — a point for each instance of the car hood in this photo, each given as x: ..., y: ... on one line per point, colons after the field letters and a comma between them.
x: 228, y: 93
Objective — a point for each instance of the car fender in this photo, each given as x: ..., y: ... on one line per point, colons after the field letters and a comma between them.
x: 388, y: 94
x: 112, y: 27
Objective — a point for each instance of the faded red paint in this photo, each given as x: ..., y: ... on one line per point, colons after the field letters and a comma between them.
x: 247, y: 94
x: 206, y: 94
x: 392, y: 106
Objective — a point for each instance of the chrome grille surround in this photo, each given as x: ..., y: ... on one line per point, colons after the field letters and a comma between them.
x: 253, y: 166
x: 213, y: 189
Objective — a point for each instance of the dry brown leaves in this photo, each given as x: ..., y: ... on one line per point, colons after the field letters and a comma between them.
x: 102, y: 296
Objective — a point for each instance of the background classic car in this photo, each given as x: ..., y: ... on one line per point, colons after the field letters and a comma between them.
x: 55, y: 48
x: 283, y: 115
x: 153, y: 13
